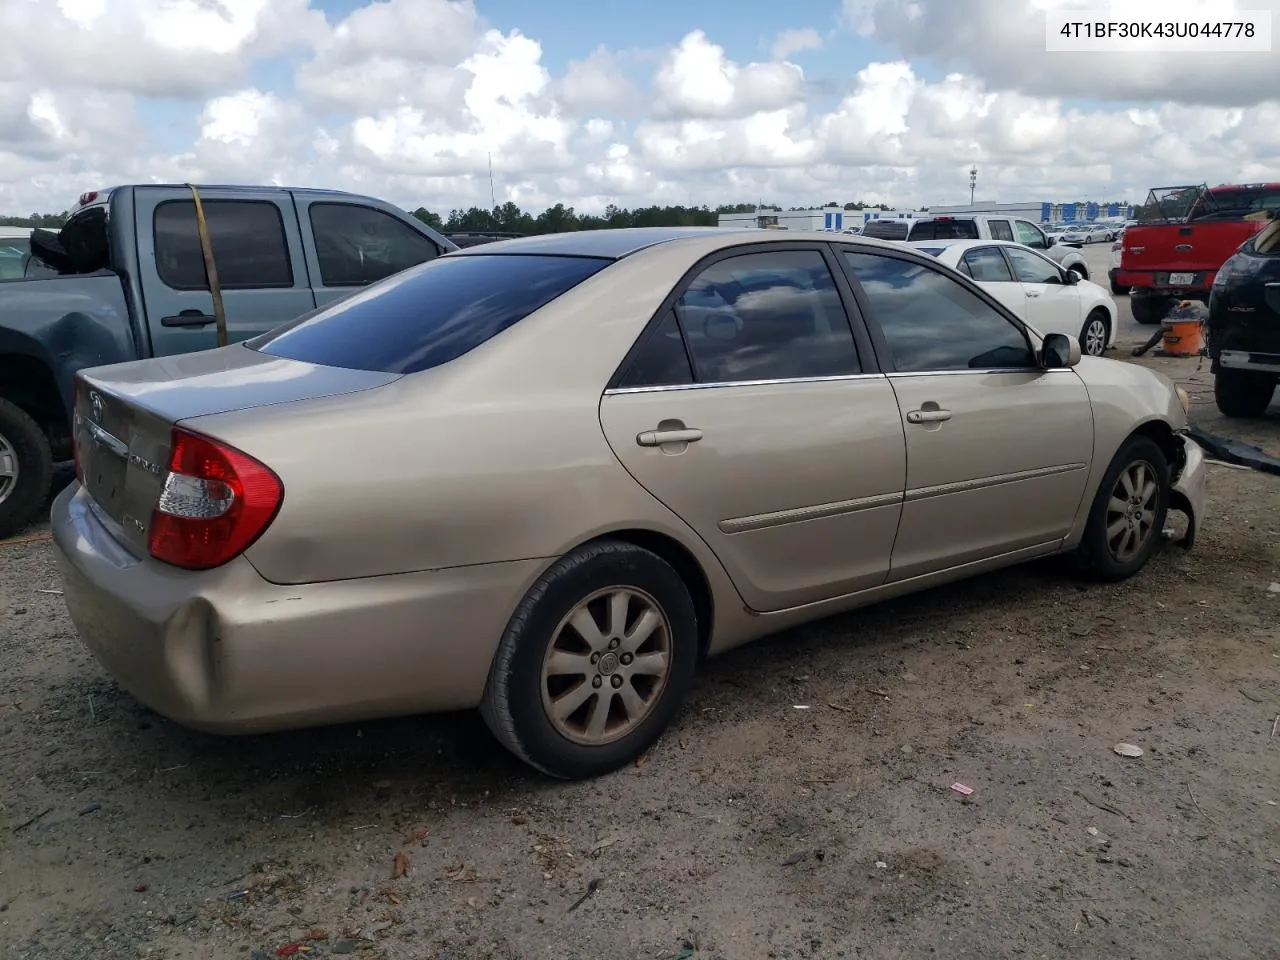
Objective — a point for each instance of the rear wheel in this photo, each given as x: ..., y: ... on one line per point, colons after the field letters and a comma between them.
x: 1243, y: 393
x: 1128, y: 512
x: 594, y: 662
x: 1147, y: 309
x: 1095, y: 333
x: 26, y: 468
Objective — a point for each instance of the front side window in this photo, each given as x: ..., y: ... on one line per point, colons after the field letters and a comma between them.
x: 428, y: 315
x: 987, y: 265
x: 1031, y: 268
x: 767, y: 316
x: 1000, y: 230
x: 1030, y: 236
x: 247, y: 237
x: 357, y: 245
x: 932, y: 322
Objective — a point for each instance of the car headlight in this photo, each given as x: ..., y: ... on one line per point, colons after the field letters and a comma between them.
x: 1185, y: 399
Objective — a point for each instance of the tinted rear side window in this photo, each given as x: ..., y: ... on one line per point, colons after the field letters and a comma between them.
x: 247, y: 236
x: 429, y: 314
x: 944, y: 230
x: 887, y: 230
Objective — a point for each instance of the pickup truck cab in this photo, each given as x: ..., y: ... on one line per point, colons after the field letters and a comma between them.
x: 989, y: 227
x: 1182, y: 237
x: 124, y: 279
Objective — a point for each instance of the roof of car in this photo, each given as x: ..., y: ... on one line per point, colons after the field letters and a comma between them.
x: 614, y: 244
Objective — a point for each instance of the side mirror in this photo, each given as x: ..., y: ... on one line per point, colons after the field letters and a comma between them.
x: 1059, y: 351
x: 1070, y: 277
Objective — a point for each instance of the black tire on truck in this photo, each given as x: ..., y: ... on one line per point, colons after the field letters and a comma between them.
x: 26, y: 469
x: 1243, y: 393
x: 1149, y: 309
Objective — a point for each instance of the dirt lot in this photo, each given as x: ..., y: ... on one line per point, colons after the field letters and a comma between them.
x: 755, y: 829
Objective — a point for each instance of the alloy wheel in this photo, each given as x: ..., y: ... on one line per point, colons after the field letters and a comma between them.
x: 606, y: 666
x: 1131, y: 511
x: 1095, y: 337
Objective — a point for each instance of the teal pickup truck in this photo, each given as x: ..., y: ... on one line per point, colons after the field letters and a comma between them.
x: 125, y: 279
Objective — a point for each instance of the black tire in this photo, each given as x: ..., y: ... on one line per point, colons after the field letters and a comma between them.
x: 513, y: 698
x: 22, y: 502
x: 1098, y: 316
x: 1149, y: 310
x: 1243, y: 393
x: 1095, y: 555
x: 1116, y: 289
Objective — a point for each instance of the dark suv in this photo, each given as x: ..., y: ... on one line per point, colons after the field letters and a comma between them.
x: 1244, y: 326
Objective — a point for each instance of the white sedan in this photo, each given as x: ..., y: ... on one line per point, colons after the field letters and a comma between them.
x: 1036, y: 289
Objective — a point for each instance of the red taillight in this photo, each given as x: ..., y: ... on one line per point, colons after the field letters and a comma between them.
x: 216, y: 501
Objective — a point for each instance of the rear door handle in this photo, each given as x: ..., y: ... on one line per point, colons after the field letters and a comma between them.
x: 928, y: 416
x: 188, y: 318
x: 656, y: 438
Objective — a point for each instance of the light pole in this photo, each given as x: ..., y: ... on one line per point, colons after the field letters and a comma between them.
x: 973, y: 183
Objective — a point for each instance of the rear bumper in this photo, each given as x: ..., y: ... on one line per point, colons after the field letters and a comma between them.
x: 228, y: 652
x: 1189, y: 493
x: 1144, y: 283
x: 1245, y: 360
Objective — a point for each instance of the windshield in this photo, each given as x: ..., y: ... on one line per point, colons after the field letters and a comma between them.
x: 429, y: 314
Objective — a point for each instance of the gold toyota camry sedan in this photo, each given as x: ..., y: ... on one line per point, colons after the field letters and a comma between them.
x: 547, y: 477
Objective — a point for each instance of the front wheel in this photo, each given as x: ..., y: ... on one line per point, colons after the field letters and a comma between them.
x: 594, y: 662
x: 1095, y: 333
x: 1243, y: 393
x: 26, y: 469
x: 1128, y: 512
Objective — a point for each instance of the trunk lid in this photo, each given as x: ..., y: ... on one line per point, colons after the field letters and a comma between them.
x: 124, y: 415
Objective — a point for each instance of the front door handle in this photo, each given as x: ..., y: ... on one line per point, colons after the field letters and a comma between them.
x: 656, y: 438
x: 1030, y: 294
x: 928, y: 416
x: 188, y: 318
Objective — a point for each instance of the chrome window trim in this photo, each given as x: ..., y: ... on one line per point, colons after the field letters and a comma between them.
x: 613, y: 391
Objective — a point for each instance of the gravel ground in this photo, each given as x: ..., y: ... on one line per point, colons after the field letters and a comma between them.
x: 754, y: 829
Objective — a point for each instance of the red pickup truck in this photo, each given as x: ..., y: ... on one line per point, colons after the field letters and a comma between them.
x: 1182, y: 237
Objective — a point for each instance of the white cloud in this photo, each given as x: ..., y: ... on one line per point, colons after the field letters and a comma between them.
x: 597, y: 84
x: 790, y: 42
x: 697, y: 80
x: 408, y: 99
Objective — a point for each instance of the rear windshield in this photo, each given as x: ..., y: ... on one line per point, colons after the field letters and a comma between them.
x: 429, y: 314
x: 885, y: 231
x: 944, y: 230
